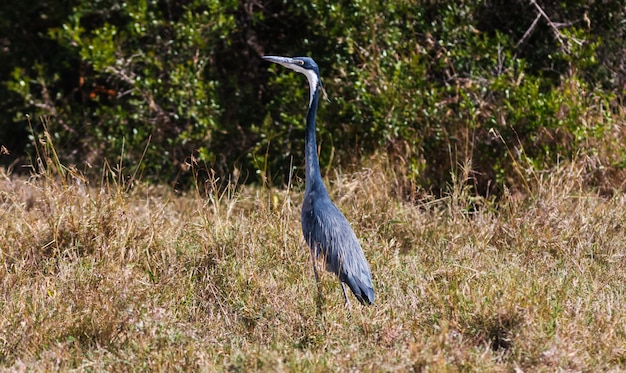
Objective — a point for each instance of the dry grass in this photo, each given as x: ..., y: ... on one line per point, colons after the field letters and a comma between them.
x: 101, y: 278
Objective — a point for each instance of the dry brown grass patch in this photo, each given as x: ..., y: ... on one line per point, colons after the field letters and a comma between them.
x: 135, y: 277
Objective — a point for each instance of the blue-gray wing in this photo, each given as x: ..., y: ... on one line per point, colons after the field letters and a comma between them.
x: 329, y: 235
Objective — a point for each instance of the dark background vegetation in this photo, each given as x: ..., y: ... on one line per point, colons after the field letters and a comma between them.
x: 432, y: 86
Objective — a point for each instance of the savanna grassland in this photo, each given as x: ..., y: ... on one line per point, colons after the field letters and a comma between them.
x: 124, y: 276
x: 151, y: 220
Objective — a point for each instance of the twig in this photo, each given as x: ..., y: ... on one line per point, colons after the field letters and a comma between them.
x: 555, y: 29
x: 557, y: 34
x: 530, y: 29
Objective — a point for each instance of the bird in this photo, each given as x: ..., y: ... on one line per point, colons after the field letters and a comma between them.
x: 326, y: 230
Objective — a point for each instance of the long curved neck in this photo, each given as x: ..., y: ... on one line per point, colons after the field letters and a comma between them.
x: 312, y: 163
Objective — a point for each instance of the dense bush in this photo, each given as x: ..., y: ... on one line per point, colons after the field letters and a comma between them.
x: 435, y: 85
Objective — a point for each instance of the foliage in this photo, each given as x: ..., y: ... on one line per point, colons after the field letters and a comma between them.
x: 142, y: 83
x: 437, y: 85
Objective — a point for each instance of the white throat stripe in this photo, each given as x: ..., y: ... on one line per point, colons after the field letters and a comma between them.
x: 311, y: 76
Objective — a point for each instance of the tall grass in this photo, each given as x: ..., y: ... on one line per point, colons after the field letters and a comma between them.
x: 122, y: 277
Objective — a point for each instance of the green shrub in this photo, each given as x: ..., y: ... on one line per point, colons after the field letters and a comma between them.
x: 436, y: 85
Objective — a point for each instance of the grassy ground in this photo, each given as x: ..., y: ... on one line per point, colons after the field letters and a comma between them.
x: 113, y: 278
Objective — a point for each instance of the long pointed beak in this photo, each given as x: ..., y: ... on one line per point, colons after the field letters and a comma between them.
x: 285, y: 61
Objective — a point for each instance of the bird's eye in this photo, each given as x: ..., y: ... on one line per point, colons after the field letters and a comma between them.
x: 300, y: 62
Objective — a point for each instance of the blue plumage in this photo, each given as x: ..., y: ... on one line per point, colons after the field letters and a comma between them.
x: 325, y: 228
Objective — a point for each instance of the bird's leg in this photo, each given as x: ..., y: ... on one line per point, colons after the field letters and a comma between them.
x: 345, y: 295
x: 319, y: 302
x: 317, y: 280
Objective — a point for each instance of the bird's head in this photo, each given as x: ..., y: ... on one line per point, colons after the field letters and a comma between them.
x: 299, y: 64
x: 303, y: 65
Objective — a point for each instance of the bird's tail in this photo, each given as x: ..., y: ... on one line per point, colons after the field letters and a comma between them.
x: 362, y: 290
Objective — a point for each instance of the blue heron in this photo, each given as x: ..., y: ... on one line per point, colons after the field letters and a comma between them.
x: 325, y: 229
